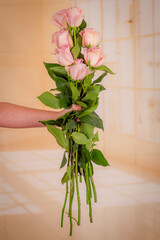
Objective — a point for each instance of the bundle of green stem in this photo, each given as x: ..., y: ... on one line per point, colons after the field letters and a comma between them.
x: 78, y: 138
x: 76, y: 168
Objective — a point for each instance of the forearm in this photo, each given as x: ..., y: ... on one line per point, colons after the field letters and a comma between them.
x: 14, y: 116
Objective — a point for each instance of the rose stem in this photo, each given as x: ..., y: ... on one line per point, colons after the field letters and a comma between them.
x: 86, y: 181
x: 80, y: 177
x: 74, y: 34
x: 77, y: 188
x: 89, y: 184
x: 90, y: 211
x: 93, y: 185
x: 71, y: 199
x: 65, y: 200
x: 89, y: 199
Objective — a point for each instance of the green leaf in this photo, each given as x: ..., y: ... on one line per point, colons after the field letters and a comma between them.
x: 87, y: 129
x: 99, y: 79
x: 80, y: 138
x: 75, y: 147
x: 61, y: 83
x: 76, y: 50
x: 75, y: 91
x: 50, y: 100
x: 104, y: 68
x: 69, y: 168
x: 87, y: 154
x: 65, y: 178
x: 101, y: 87
x: 71, y: 124
x: 52, y: 122
x: 84, y: 157
x: 92, y: 119
x: 83, y: 25
x: 98, y: 158
x: 92, y: 93
x: 59, y: 136
x: 82, y: 104
x: 92, y: 107
x: 65, y: 102
x: 57, y: 69
x: 79, y: 40
x: 96, y: 137
x: 64, y: 161
x: 88, y: 80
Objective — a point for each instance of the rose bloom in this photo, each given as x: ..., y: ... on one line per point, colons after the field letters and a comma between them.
x: 89, y: 37
x: 79, y: 70
x: 61, y: 38
x: 60, y: 18
x: 93, y: 56
x: 74, y: 16
x: 64, y: 56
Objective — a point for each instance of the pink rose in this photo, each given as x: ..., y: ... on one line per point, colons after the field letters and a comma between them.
x: 61, y: 38
x: 89, y: 37
x: 64, y: 56
x: 60, y: 18
x: 93, y: 56
x: 74, y: 16
x: 79, y: 70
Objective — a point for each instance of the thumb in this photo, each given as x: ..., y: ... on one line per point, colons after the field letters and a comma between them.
x: 75, y: 107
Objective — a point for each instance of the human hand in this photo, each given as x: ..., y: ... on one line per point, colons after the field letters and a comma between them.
x: 73, y: 108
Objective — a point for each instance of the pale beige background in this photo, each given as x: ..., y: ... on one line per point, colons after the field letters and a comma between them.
x: 130, y: 33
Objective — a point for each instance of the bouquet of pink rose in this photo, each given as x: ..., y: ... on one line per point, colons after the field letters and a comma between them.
x: 79, y: 56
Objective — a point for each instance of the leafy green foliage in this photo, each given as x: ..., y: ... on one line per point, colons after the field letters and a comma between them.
x: 80, y: 138
x: 98, y: 158
x: 82, y: 104
x: 76, y: 49
x: 50, y: 100
x: 71, y: 124
x: 88, y: 80
x: 59, y: 136
x: 96, y: 137
x: 83, y: 25
x: 65, y: 178
x: 99, y: 79
x: 75, y: 92
x: 64, y: 161
x: 52, y: 122
x: 55, y: 69
x: 91, y: 108
x: 87, y: 129
x: 85, y: 157
x: 92, y: 93
x: 75, y: 147
x: 92, y: 119
x: 104, y: 68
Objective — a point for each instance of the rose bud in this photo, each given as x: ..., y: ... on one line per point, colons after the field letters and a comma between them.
x: 61, y: 38
x: 79, y: 70
x: 90, y: 37
x: 64, y: 56
x: 60, y: 18
x: 93, y: 56
x: 74, y: 16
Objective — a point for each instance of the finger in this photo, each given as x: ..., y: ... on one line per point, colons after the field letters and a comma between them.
x: 76, y: 107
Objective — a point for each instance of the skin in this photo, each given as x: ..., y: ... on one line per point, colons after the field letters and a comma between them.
x: 15, y: 116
